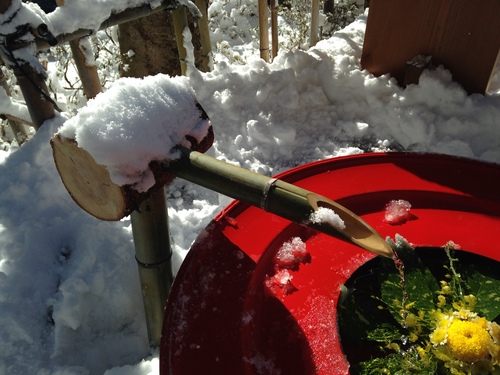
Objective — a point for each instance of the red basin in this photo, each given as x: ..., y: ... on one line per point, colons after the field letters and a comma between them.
x: 226, y: 316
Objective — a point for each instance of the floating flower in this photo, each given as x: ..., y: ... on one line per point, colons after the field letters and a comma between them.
x: 469, y: 341
x: 465, y: 342
x: 448, y: 330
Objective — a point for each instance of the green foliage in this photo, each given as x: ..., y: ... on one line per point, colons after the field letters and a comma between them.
x: 392, y: 315
x: 407, y: 363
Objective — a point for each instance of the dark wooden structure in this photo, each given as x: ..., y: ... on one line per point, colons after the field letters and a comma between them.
x: 462, y: 35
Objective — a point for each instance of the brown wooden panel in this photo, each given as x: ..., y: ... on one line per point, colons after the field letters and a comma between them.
x: 462, y: 35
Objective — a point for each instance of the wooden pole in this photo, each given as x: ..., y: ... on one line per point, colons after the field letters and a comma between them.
x: 153, y: 254
x: 314, y: 23
x: 35, y: 93
x: 206, y: 45
x: 263, y: 30
x: 149, y: 220
x: 87, y: 71
x: 180, y: 23
x: 80, y: 48
x: 274, y: 27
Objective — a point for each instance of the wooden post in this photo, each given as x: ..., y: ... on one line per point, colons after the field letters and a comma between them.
x: 150, y: 220
x: 206, y: 45
x: 314, y: 23
x: 180, y: 23
x: 153, y: 254
x: 263, y: 30
x: 35, y: 93
x: 86, y: 71
x: 274, y: 27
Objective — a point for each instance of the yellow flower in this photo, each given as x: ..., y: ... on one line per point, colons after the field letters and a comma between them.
x: 445, y: 288
x: 469, y: 341
x: 411, y: 320
x: 438, y: 337
x: 471, y: 301
x: 441, y: 301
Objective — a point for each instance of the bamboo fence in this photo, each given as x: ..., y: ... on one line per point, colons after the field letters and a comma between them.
x: 150, y: 227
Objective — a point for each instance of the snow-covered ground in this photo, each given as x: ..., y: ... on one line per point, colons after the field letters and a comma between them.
x: 70, y: 301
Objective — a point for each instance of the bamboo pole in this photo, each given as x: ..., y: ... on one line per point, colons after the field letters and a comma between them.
x: 150, y: 229
x: 206, y: 45
x: 273, y: 195
x: 274, y: 27
x: 86, y: 71
x: 153, y: 254
x: 180, y: 23
x: 263, y: 30
x: 314, y: 23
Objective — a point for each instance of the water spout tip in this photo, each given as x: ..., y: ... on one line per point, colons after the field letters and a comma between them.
x: 376, y: 245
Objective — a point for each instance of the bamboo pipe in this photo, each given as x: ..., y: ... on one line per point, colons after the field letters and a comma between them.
x: 275, y: 196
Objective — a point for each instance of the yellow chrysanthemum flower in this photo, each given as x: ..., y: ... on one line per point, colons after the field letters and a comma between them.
x: 469, y: 341
x: 438, y: 337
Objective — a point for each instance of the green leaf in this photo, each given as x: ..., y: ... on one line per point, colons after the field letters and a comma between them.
x: 385, y: 333
x: 486, y: 288
x: 408, y: 363
x: 421, y: 285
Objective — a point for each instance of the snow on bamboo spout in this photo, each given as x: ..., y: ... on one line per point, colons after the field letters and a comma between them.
x: 133, y: 139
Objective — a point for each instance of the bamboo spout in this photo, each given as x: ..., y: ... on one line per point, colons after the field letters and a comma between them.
x: 276, y: 196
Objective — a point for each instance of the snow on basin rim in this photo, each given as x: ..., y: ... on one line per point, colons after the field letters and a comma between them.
x: 136, y: 121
